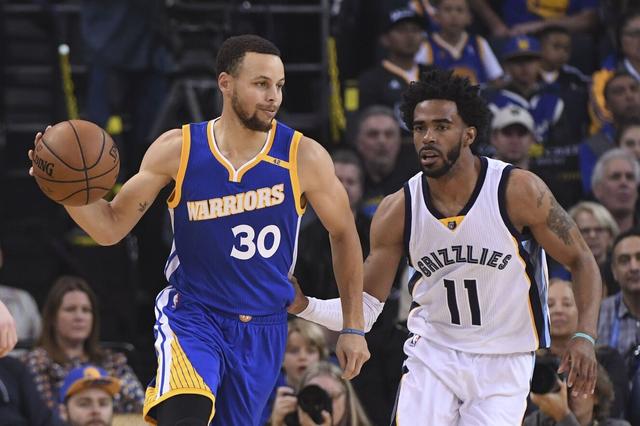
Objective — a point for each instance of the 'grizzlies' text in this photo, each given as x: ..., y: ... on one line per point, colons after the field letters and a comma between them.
x: 462, y: 254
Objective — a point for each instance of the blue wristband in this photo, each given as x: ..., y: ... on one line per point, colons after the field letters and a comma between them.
x: 584, y: 336
x: 352, y: 331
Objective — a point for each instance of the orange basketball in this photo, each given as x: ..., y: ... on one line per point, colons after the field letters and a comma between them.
x: 75, y: 162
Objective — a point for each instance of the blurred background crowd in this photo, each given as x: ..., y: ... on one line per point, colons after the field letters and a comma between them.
x: 562, y: 78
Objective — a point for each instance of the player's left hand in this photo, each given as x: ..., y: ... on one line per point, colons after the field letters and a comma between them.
x: 305, y: 420
x: 580, y: 361
x: 352, y: 353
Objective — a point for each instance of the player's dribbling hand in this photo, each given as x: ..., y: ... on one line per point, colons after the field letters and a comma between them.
x: 352, y: 353
x: 8, y: 334
x: 580, y: 361
x: 35, y: 142
x: 300, y: 302
x: 305, y: 420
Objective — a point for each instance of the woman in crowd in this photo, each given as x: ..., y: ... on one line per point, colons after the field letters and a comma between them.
x: 70, y: 338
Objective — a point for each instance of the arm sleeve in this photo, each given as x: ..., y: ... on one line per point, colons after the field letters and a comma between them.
x: 329, y: 312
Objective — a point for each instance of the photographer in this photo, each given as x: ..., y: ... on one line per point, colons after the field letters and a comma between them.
x: 557, y: 407
x: 341, y: 404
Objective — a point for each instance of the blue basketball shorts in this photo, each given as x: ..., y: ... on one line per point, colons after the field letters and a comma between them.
x: 234, y: 360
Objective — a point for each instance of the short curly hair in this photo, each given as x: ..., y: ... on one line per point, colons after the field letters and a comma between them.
x: 233, y: 49
x: 443, y: 84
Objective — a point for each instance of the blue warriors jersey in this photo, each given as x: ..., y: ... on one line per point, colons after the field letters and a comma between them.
x: 466, y: 63
x: 235, y: 231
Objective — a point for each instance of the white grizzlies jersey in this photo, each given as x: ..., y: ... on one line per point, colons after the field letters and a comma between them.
x: 481, y: 286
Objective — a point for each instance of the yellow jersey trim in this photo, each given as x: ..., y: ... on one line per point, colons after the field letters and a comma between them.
x: 151, y: 394
x: 263, y: 152
x: 176, y: 194
x: 451, y: 223
x: 531, y: 317
x: 293, y: 172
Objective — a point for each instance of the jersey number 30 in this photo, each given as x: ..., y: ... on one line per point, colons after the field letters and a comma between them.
x: 247, y: 247
x: 474, y: 305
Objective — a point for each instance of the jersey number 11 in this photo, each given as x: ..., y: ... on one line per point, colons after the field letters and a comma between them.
x: 474, y: 306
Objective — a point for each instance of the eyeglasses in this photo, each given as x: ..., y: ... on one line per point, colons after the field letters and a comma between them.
x: 597, y: 230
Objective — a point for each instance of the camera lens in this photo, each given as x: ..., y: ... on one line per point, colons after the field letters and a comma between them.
x: 313, y: 400
x: 544, y: 378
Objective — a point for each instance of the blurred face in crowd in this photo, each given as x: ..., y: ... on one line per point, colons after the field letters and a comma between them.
x: 630, y: 39
x: 626, y: 264
x: 298, y: 356
x: 255, y: 90
x: 555, y: 50
x: 524, y: 71
x: 623, y: 97
x: 453, y: 16
x: 439, y: 134
x: 74, y: 318
x: 336, y: 391
x: 351, y: 178
x: 597, y: 236
x: 403, y: 39
x: 89, y: 407
x: 617, y: 190
x: 512, y: 143
x: 629, y: 139
x: 562, y: 309
x: 378, y: 142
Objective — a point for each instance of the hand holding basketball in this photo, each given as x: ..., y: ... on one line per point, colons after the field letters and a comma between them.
x: 74, y: 162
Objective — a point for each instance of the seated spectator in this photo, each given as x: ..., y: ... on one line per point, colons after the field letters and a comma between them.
x: 20, y: 402
x: 563, y: 408
x: 70, y: 338
x: 629, y: 136
x: 86, y: 396
x: 615, y: 185
x: 346, y: 405
x: 620, y: 313
x: 452, y: 47
x: 384, y: 83
x: 563, y: 314
x: 622, y: 97
x: 599, y: 229
x: 512, y: 136
x: 24, y: 310
x: 306, y: 346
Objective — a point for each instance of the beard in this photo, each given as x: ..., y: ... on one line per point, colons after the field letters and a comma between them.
x: 449, y: 161
x: 250, y: 121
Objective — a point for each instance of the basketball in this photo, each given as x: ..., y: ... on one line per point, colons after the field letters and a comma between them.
x: 75, y: 162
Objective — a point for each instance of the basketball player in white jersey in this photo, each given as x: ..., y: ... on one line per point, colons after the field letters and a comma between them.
x: 474, y: 230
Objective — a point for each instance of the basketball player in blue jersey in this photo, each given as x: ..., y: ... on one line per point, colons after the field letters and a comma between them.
x: 241, y: 185
x: 474, y: 230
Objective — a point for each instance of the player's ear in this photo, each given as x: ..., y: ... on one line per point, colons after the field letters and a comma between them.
x: 469, y: 136
x: 225, y: 82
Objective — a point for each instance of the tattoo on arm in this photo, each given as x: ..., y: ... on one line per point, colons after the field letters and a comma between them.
x: 543, y: 191
x: 142, y: 206
x: 560, y: 222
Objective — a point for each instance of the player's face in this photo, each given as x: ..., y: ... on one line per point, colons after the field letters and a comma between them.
x: 618, y: 190
x: 523, y: 71
x: 439, y: 135
x: 556, y: 50
x: 597, y: 236
x: 404, y: 39
x: 256, y: 93
x: 630, y: 39
x: 298, y: 356
x: 623, y: 97
x: 630, y: 140
x: 453, y: 15
x: 74, y: 318
x: 512, y: 143
x: 349, y: 176
x: 336, y: 391
x: 90, y: 407
x: 378, y: 143
x: 626, y: 264
x: 562, y: 310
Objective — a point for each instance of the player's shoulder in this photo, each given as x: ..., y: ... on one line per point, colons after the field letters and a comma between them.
x: 391, y: 207
x: 523, y: 183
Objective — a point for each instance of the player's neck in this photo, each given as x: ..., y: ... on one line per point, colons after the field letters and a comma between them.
x: 234, y: 139
x: 632, y: 302
x: 451, y: 192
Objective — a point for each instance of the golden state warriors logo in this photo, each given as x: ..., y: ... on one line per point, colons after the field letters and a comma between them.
x: 91, y: 373
x: 235, y: 204
x: 523, y: 44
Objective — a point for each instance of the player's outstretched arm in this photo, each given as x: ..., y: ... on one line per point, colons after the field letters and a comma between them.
x: 328, y: 197
x: 531, y: 204
x: 108, y: 222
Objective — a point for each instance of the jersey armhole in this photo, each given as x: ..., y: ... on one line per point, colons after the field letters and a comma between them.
x: 407, y: 221
x: 293, y: 173
x: 174, y: 198
x: 502, y: 203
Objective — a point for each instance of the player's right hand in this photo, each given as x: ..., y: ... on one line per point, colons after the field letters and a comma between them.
x: 352, y: 353
x: 35, y: 142
x: 300, y: 302
x: 8, y: 333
